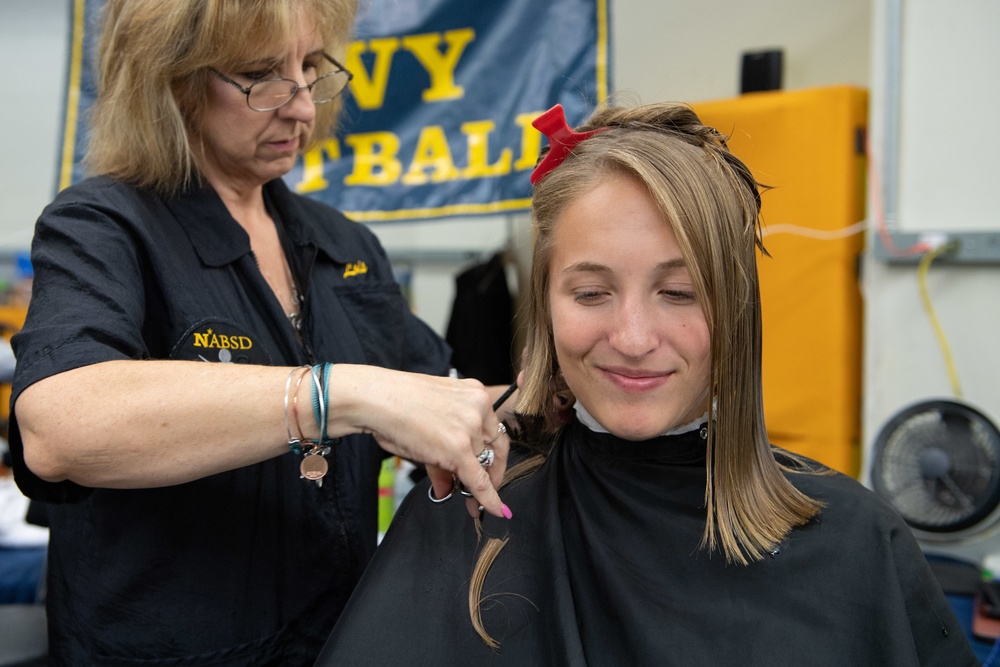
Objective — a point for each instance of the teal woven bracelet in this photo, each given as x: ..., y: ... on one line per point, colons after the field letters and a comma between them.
x: 320, y: 401
x: 325, y: 403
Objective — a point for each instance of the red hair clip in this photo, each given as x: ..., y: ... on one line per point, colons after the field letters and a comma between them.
x: 562, y: 140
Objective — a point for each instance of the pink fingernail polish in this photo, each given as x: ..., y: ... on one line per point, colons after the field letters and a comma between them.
x: 506, y: 511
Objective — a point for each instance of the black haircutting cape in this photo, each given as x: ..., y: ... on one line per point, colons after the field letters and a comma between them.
x: 604, y: 567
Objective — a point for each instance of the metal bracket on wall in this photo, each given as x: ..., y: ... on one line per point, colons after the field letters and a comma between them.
x: 969, y: 247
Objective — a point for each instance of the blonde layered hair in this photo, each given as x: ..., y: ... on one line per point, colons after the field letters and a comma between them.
x: 153, y: 74
x: 712, y: 203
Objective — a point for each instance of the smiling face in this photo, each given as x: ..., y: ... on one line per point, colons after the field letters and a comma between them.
x: 630, y: 337
x: 246, y: 148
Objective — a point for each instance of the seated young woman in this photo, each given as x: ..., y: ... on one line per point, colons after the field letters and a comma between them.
x: 657, y: 525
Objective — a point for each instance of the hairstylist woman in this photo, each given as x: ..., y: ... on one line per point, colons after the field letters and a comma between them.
x: 192, y: 322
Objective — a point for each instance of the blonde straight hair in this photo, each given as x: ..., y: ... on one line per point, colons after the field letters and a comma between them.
x: 712, y: 203
x: 153, y: 74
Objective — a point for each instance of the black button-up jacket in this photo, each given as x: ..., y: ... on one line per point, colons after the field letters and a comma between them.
x: 250, y: 566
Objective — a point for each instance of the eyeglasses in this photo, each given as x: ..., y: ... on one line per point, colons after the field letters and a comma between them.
x: 269, y: 94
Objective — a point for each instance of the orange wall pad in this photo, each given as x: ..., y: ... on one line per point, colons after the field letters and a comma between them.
x: 808, y: 145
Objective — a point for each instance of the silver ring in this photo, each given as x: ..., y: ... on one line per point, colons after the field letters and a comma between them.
x: 430, y: 494
x: 501, y: 429
x: 486, y: 457
x: 461, y: 489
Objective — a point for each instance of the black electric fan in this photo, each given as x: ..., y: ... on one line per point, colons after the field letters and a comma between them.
x: 937, y: 463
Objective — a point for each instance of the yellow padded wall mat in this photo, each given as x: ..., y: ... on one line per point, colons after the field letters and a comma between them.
x: 808, y: 145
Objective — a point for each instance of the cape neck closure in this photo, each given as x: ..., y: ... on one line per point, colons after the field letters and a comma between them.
x: 687, y: 448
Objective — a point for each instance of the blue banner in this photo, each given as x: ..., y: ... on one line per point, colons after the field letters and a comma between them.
x: 437, y: 121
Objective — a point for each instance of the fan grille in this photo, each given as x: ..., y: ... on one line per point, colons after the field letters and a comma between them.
x: 938, y: 464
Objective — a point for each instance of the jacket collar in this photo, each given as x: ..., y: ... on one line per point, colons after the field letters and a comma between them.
x: 219, y: 239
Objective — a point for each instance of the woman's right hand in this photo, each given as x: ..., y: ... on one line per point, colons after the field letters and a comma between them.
x: 442, y: 422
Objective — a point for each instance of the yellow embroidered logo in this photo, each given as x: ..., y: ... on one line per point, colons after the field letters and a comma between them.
x: 216, y: 341
x: 355, y: 269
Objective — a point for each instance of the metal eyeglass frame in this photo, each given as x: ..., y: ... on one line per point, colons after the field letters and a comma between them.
x: 294, y: 91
